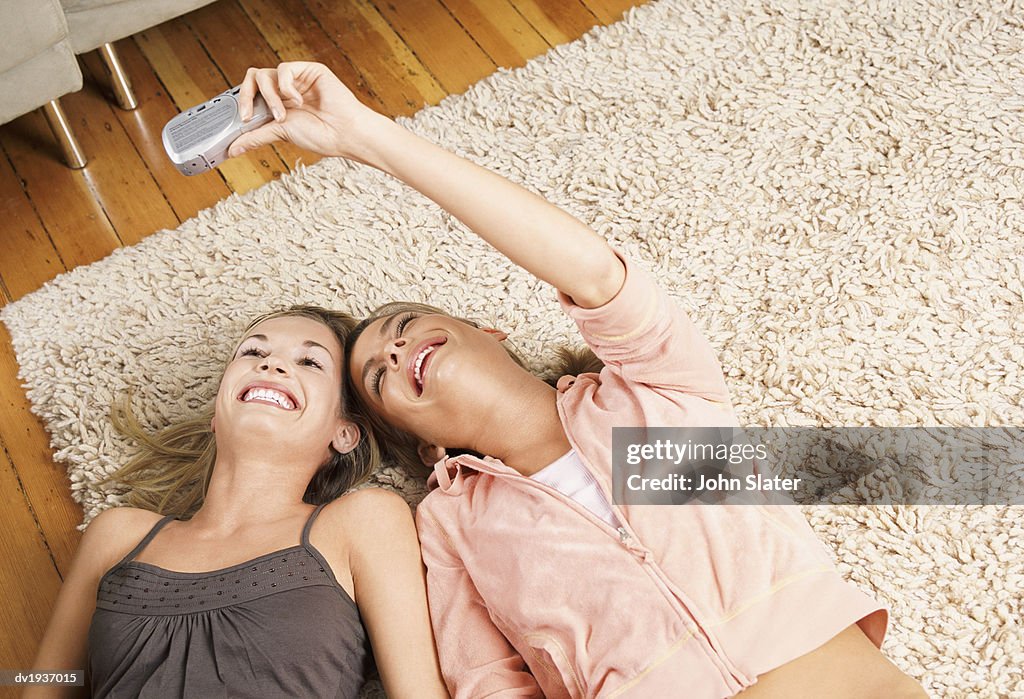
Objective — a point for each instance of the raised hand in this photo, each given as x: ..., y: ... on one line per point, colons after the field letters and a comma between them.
x: 312, y: 108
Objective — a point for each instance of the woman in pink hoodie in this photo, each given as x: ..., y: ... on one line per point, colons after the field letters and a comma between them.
x: 539, y: 584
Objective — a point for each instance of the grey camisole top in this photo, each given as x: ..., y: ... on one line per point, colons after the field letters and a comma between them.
x: 279, y: 625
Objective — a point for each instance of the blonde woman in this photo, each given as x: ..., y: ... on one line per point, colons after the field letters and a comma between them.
x: 244, y: 573
x: 539, y: 584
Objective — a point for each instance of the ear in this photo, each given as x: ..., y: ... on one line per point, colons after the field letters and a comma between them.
x: 430, y: 454
x: 213, y: 424
x: 346, y: 437
x: 500, y: 335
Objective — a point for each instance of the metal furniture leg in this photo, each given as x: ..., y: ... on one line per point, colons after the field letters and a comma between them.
x: 73, y: 154
x: 118, y: 78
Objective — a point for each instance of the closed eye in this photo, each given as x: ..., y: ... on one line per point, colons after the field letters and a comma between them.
x: 378, y: 376
x: 252, y: 352
x: 403, y: 321
x: 310, y: 361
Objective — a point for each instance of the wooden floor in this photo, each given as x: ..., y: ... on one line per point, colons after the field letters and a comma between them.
x: 397, y: 55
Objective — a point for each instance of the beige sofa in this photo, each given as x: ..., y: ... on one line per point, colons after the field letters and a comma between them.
x: 37, y: 63
x: 39, y: 40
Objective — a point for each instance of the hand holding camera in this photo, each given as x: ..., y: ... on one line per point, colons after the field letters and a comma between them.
x: 301, y: 102
x: 312, y: 108
x: 197, y: 140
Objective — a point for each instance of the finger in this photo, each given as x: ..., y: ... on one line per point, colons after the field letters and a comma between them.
x: 257, y: 138
x: 246, y: 94
x: 299, y: 68
x: 286, y: 83
x: 266, y: 79
x: 305, y: 73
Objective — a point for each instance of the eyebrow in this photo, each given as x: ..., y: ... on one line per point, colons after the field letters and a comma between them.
x: 387, y: 324
x: 310, y: 343
x: 366, y: 370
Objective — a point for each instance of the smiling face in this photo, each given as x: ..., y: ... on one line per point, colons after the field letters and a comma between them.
x: 430, y: 374
x: 284, y: 383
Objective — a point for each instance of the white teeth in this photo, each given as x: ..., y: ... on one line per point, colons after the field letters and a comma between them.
x: 268, y: 394
x: 419, y: 363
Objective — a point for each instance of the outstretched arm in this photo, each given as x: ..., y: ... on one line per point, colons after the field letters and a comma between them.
x: 319, y: 113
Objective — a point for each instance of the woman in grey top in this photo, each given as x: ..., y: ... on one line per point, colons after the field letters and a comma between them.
x: 265, y: 589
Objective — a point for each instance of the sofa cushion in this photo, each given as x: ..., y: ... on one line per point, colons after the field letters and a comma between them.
x: 29, y: 27
x: 33, y: 83
x: 93, y: 23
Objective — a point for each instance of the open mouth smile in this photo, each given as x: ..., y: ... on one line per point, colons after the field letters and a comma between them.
x: 419, y: 360
x: 269, y: 394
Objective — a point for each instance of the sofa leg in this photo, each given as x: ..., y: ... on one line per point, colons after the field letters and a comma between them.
x: 118, y: 78
x: 73, y: 154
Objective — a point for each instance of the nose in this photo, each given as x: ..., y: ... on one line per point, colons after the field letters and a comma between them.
x: 273, y: 364
x: 393, y: 351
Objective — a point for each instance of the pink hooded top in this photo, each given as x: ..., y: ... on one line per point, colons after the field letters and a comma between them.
x: 533, y: 595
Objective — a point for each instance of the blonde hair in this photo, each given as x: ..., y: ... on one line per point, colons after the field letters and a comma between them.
x: 171, y: 471
x: 401, y: 447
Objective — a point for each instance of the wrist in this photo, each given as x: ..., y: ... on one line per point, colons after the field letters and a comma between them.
x: 370, y: 137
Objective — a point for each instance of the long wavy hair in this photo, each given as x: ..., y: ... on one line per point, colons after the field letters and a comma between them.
x: 171, y: 470
x: 400, y: 447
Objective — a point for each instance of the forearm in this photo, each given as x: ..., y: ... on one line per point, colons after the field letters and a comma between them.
x: 533, y: 233
x: 324, y: 116
x: 64, y: 646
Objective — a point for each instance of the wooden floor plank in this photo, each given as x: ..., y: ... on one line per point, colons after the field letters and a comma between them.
x: 28, y: 445
x: 190, y: 78
x: 186, y: 195
x: 27, y: 574
x: 62, y: 197
x: 499, y: 29
x: 389, y: 67
x: 296, y: 35
x: 609, y: 11
x: 234, y: 43
x: 27, y: 256
x: 118, y: 176
x: 558, y: 21
x: 457, y: 62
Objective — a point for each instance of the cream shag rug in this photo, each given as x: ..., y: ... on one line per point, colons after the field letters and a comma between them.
x: 833, y: 189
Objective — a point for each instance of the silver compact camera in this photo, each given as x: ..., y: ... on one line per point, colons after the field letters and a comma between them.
x: 197, y: 140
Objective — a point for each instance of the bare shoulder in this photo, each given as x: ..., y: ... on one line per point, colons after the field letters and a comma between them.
x: 369, y: 517
x: 115, y: 532
x: 122, y: 520
x: 361, y: 530
x: 370, y: 510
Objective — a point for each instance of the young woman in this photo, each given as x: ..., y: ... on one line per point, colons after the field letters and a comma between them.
x: 260, y: 581
x: 538, y: 584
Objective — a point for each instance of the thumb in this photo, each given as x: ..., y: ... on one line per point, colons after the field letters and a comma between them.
x: 256, y: 138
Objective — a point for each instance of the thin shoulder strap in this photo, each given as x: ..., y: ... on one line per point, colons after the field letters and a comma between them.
x: 315, y: 553
x: 309, y: 525
x: 146, y: 539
